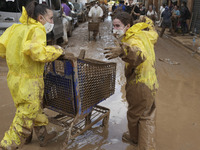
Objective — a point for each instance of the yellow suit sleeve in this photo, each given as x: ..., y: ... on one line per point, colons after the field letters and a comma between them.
x: 4, y: 41
x: 36, y: 48
x: 133, y: 53
x: 134, y: 56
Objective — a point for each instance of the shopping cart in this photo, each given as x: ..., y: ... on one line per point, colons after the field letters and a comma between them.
x: 93, y: 27
x: 73, y: 88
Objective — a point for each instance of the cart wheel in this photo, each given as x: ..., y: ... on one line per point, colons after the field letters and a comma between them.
x: 105, y: 121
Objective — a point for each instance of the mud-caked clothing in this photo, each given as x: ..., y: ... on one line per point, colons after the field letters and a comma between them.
x: 142, y: 82
x: 24, y: 47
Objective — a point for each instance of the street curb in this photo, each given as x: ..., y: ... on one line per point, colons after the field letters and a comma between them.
x: 196, y: 55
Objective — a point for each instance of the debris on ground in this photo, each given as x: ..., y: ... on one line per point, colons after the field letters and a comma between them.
x: 167, y: 60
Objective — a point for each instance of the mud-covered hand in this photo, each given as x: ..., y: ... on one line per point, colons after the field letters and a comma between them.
x: 58, y: 47
x: 67, y: 55
x: 114, y: 52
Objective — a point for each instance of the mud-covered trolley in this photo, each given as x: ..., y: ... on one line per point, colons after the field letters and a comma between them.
x: 93, y: 27
x: 73, y: 88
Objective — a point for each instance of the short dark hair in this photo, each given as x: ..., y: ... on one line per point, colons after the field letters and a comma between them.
x: 34, y: 9
x: 124, y: 17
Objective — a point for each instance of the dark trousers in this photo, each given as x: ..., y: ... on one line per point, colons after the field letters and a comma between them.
x: 184, y: 27
x: 163, y: 30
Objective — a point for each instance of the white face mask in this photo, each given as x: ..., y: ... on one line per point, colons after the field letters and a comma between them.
x: 96, y: 5
x: 48, y: 26
x: 118, y: 32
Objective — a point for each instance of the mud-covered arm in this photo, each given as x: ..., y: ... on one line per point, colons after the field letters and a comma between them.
x: 132, y: 55
x: 36, y: 48
x: 4, y: 41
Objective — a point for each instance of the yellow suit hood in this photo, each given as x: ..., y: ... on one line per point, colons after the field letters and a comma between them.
x: 24, y: 19
x: 141, y: 36
x: 142, y: 26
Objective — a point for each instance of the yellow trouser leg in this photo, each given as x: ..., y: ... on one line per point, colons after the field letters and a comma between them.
x: 27, y: 115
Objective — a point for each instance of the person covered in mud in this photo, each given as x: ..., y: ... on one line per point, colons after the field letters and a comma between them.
x: 96, y: 13
x: 24, y: 47
x: 135, y: 46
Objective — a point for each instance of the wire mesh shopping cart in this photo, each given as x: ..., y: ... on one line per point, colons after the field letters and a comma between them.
x: 73, y: 88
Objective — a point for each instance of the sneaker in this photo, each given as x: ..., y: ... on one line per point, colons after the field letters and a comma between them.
x: 126, y: 138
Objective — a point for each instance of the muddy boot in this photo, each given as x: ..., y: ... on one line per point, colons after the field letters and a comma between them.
x: 1, y: 148
x: 9, y: 148
x: 127, y: 139
x: 43, y: 136
x: 29, y: 139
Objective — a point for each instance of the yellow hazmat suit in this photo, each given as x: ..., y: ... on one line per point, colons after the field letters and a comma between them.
x: 24, y: 47
x: 141, y: 82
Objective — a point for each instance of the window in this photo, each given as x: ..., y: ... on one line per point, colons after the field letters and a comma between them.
x: 8, y: 6
x: 22, y: 3
x: 13, y: 5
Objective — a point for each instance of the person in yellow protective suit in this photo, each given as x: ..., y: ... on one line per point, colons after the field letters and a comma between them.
x: 135, y: 46
x: 24, y: 47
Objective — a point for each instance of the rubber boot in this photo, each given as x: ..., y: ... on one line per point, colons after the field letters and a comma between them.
x: 9, y: 148
x: 29, y: 139
x: 1, y: 148
x: 43, y: 136
x: 127, y: 139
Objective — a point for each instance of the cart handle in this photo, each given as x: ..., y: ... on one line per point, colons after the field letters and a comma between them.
x: 82, y: 54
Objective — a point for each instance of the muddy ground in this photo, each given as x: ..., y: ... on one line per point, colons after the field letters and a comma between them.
x: 178, y: 98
